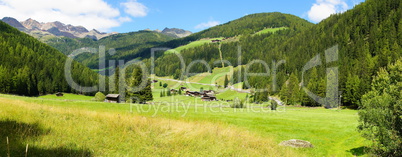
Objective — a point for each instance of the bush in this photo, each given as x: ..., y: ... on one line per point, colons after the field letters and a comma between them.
x: 273, y: 105
x: 237, y: 103
x: 99, y: 97
x: 381, y: 112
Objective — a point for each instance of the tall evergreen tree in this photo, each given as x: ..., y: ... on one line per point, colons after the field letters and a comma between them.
x: 141, y: 93
x: 226, y: 82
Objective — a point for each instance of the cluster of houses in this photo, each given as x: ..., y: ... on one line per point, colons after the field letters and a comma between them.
x: 207, y: 95
x: 218, y: 41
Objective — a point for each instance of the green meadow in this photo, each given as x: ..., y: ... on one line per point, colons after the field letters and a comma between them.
x: 171, y: 126
x: 192, y: 44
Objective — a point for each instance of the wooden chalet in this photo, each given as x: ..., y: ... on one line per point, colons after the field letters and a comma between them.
x: 208, y: 97
x: 190, y: 93
x: 209, y: 91
x: 215, y: 41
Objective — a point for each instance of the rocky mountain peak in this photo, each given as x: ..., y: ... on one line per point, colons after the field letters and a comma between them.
x: 56, y: 28
x: 31, y: 24
x: 176, y: 32
x: 13, y: 22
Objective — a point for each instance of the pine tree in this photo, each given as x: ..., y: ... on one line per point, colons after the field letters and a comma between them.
x: 226, y: 82
x: 168, y: 92
x: 116, y: 80
x: 144, y: 93
x: 352, y: 92
x: 293, y: 90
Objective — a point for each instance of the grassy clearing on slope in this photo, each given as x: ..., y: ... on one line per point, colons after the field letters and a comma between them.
x: 271, y: 30
x: 51, y: 130
x: 192, y: 44
x: 217, y: 76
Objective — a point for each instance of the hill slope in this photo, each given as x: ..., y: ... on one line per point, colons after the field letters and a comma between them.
x: 128, y: 46
x: 249, y: 24
x: 170, y: 65
x: 29, y: 67
x: 369, y: 36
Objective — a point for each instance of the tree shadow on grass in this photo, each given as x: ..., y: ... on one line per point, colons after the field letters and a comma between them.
x: 19, y: 133
x: 359, y: 151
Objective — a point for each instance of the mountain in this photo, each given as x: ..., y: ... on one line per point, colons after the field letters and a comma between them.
x: 246, y: 25
x: 41, y: 30
x: 175, y: 32
x: 368, y: 37
x: 239, y: 29
x: 128, y: 46
x: 13, y: 22
x: 29, y: 67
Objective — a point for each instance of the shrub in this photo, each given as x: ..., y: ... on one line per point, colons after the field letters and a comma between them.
x: 381, y: 112
x: 99, y: 97
x: 273, y: 105
x: 237, y: 103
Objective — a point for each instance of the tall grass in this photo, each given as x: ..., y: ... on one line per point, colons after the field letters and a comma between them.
x: 60, y: 131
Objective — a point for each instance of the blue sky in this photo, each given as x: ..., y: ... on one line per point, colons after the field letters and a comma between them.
x: 133, y: 15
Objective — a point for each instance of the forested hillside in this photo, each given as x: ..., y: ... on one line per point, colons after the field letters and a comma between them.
x: 29, y: 67
x: 249, y: 24
x: 369, y: 36
x: 128, y: 46
x: 170, y: 64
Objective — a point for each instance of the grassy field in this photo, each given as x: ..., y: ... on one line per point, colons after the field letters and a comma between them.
x: 271, y: 30
x: 192, y: 44
x: 231, y: 95
x: 52, y: 127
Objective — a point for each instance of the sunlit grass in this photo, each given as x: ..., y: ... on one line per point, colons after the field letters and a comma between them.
x: 271, y: 30
x: 192, y: 45
x: 121, y: 133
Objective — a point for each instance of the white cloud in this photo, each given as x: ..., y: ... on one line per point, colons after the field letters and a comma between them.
x: 92, y: 14
x: 135, y: 9
x: 324, y: 8
x: 207, y: 24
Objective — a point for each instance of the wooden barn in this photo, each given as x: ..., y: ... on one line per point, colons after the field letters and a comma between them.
x: 59, y: 94
x: 112, y: 98
x: 208, y: 97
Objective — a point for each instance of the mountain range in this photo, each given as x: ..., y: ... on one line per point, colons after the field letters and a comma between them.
x: 42, y: 30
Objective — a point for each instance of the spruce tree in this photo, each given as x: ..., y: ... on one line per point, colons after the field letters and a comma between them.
x: 226, y: 82
x: 145, y: 92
